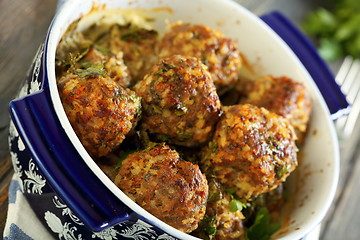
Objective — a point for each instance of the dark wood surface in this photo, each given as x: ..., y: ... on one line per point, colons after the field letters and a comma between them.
x: 23, y: 26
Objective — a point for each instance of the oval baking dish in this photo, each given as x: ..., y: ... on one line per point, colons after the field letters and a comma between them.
x: 71, y: 194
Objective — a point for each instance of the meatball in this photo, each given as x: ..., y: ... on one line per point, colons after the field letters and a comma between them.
x: 113, y: 65
x: 101, y: 112
x: 180, y: 103
x: 252, y: 151
x: 283, y: 96
x: 216, y: 51
x: 137, y: 45
x: 173, y: 190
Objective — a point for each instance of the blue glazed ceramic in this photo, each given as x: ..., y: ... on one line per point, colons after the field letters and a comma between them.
x: 75, y: 199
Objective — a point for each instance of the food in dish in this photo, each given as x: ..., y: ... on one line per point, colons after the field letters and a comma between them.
x: 101, y: 112
x: 163, y: 184
x: 179, y: 101
x: 200, y: 165
x: 283, y: 96
x: 252, y: 150
x: 216, y: 51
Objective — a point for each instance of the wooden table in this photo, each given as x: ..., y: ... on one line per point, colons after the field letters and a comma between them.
x: 23, y: 26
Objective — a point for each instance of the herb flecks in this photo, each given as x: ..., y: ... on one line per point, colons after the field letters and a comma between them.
x: 262, y: 227
x: 91, y: 69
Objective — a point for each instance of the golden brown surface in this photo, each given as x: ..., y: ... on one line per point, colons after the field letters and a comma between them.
x: 173, y: 190
x: 100, y: 111
x: 283, y: 96
x: 179, y: 100
x: 252, y: 151
x: 216, y: 51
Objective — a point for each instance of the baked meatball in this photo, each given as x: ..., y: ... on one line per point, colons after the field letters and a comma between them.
x: 283, y: 96
x: 113, y: 65
x: 252, y: 151
x: 216, y: 51
x: 101, y: 112
x: 180, y: 103
x: 173, y: 190
x: 137, y: 45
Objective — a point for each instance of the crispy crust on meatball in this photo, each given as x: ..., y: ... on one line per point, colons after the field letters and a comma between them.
x: 100, y: 111
x: 173, y: 190
x: 216, y: 51
x: 252, y: 151
x: 283, y: 96
x: 179, y: 100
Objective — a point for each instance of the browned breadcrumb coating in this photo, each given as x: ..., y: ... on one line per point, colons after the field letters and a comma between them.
x: 137, y: 45
x: 113, y: 65
x: 100, y: 111
x: 179, y: 100
x: 283, y: 96
x: 173, y: 190
x: 228, y: 224
x: 252, y: 151
x: 216, y: 51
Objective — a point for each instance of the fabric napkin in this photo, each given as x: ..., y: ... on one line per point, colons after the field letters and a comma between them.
x: 21, y: 222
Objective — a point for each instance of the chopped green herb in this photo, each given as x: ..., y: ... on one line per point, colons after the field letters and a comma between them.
x: 263, y: 228
x: 134, y: 98
x: 236, y: 205
x: 214, y: 147
x: 211, y: 230
x: 281, y: 170
x: 210, y: 226
x: 230, y: 191
x: 102, y: 49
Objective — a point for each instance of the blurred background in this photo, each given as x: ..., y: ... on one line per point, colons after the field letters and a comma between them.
x: 332, y: 26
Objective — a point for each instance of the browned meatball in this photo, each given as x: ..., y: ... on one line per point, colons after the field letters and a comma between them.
x: 179, y: 101
x: 100, y: 111
x: 113, y: 65
x: 216, y: 51
x: 283, y: 96
x: 173, y: 190
x: 252, y: 151
x: 137, y: 45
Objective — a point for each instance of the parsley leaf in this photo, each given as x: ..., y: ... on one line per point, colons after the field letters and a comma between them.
x: 263, y: 228
x: 335, y: 29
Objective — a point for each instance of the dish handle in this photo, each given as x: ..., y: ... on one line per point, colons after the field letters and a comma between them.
x: 52, y: 151
x: 315, y: 65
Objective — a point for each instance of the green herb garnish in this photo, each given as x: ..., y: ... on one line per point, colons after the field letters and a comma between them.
x: 263, y: 228
x: 210, y: 225
x: 90, y: 69
x: 235, y: 204
x: 336, y: 29
x: 281, y: 170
